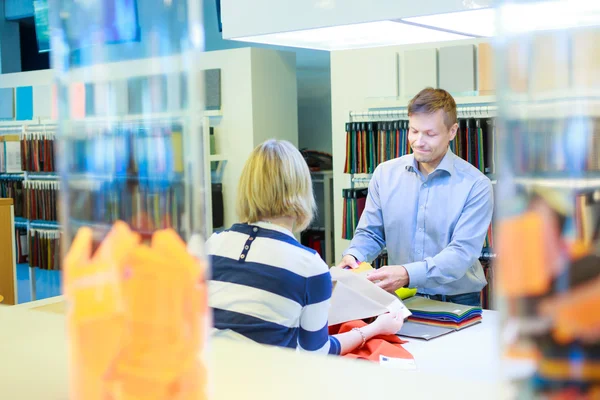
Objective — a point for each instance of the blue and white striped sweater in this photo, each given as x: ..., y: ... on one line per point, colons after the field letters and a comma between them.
x: 269, y: 288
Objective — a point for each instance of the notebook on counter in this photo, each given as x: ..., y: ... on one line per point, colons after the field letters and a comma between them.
x: 442, y: 314
x: 422, y: 331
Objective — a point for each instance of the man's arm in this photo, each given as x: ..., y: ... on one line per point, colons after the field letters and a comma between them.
x: 369, y: 237
x: 465, y: 246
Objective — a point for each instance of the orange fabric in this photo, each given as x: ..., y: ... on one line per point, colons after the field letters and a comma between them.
x: 386, y: 345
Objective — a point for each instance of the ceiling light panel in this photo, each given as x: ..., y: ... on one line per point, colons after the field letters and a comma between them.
x: 356, y: 36
x: 476, y: 22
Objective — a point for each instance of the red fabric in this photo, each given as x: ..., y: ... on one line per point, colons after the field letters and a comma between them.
x: 386, y: 345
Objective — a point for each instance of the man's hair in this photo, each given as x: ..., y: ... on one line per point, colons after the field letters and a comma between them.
x: 276, y: 182
x: 429, y: 100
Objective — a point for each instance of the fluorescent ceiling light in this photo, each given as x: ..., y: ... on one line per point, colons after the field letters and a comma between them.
x: 355, y: 36
x: 479, y: 22
x: 549, y: 15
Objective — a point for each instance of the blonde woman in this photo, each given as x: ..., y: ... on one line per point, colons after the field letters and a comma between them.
x: 265, y: 285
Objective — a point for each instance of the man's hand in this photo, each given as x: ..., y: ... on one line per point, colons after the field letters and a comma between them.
x: 348, y: 261
x: 391, y: 277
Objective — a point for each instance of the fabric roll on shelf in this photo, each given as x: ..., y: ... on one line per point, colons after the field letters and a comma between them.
x: 12, y: 187
x: 21, y: 243
x: 487, y: 294
x: 41, y: 200
x: 368, y: 144
x: 354, y: 205
x: 475, y: 142
x: 44, y: 248
x: 37, y: 151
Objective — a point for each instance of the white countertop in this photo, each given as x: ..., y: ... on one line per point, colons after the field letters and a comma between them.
x: 474, y: 351
x: 461, y: 365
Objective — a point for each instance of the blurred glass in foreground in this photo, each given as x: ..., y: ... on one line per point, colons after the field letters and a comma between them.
x: 129, y: 88
x: 548, y: 59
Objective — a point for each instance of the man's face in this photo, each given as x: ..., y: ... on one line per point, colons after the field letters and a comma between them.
x: 429, y: 136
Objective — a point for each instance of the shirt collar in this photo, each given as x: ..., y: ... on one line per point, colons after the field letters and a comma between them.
x: 273, y: 227
x: 447, y: 163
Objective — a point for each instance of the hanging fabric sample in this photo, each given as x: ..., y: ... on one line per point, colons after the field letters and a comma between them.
x: 44, y: 249
x: 12, y: 187
x: 41, y: 200
x: 37, y: 152
x: 354, y: 205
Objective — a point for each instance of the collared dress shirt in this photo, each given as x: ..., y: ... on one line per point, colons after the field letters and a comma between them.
x: 434, y: 226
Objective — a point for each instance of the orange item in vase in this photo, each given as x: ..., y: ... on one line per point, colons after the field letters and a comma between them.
x: 136, y: 317
x: 524, y: 267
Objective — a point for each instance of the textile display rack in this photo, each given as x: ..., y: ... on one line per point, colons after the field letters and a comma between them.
x: 33, y: 184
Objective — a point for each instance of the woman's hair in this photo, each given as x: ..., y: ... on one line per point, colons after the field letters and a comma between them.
x: 276, y: 182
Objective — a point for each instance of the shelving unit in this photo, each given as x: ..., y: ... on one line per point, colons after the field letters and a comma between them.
x: 21, y: 127
x: 324, y: 179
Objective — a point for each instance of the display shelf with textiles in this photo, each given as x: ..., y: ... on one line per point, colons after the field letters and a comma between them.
x: 369, y: 144
x: 545, y: 154
x: 140, y: 182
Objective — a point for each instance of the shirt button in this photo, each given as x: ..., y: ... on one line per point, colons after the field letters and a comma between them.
x: 246, y: 247
x: 255, y: 229
x: 420, y: 229
x: 418, y: 251
x: 250, y: 238
x: 424, y: 185
x: 242, y: 256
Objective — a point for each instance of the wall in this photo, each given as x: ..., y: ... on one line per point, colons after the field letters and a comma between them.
x: 10, y: 52
x: 314, y: 108
x: 313, y: 83
x: 274, y: 96
x: 357, y: 77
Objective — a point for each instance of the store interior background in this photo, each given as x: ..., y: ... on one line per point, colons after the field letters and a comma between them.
x: 19, y: 53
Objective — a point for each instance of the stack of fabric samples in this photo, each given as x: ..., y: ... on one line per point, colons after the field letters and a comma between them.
x: 426, y: 313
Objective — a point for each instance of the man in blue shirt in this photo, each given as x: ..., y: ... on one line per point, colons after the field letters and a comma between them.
x: 430, y: 209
